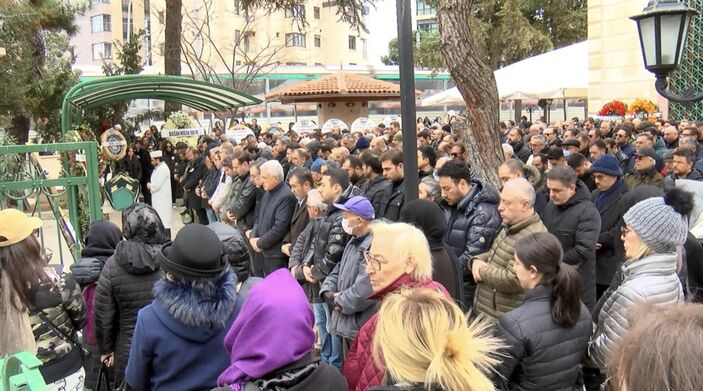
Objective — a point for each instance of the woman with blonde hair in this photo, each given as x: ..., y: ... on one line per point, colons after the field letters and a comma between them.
x: 424, y: 341
x: 399, y: 257
x: 654, y: 232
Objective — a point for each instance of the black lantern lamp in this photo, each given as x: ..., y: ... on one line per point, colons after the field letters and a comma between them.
x: 663, y: 28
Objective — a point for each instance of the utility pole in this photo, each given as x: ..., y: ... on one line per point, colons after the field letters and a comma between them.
x: 407, y: 98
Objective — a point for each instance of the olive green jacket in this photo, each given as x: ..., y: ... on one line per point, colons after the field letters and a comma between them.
x: 499, y: 290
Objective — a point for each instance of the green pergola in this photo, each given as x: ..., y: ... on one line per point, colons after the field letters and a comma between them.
x: 197, y: 94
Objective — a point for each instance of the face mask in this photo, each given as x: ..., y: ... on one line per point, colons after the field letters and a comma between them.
x: 567, y: 153
x: 345, y: 226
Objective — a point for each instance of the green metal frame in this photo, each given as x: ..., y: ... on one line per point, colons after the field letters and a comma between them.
x: 37, y: 184
x: 197, y: 94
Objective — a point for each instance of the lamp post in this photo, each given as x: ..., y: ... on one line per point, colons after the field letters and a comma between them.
x: 663, y: 27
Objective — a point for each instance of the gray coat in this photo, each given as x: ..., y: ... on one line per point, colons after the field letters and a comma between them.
x: 353, y: 308
x: 650, y: 280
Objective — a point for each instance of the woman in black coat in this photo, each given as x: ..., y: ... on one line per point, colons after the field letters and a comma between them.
x: 428, y: 216
x: 131, y: 165
x: 548, y: 335
x: 126, y: 282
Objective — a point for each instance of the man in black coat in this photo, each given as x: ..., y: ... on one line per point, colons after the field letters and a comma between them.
x: 378, y: 188
x: 574, y: 220
x: 273, y: 220
x: 471, y: 210
x: 392, y: 165
x: 195, y: 172
x: 300, y: 182
x: 515, y: 139
x: 608, y: 200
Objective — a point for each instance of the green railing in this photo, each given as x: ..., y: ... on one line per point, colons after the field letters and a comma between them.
x: 29, y: 182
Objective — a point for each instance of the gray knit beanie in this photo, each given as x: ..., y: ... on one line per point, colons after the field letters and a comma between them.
x: 661, y: 222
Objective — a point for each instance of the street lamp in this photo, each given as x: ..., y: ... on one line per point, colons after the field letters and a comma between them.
x: 663, y: 28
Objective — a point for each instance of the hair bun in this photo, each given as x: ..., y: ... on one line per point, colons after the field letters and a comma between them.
x: 679, y: 199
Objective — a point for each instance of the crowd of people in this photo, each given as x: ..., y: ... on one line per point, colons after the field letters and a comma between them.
x: 302, y: 265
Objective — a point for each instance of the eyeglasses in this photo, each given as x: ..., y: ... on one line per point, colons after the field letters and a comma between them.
x: 370, y: 260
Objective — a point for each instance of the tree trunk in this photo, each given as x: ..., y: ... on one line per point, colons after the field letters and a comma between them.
x: 478, y: 127
x: 172, y: 46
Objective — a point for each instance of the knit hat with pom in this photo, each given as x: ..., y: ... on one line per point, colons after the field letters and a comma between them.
x: 662, y: 222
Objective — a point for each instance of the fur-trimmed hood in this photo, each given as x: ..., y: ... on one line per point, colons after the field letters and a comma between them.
x: 197, y: 310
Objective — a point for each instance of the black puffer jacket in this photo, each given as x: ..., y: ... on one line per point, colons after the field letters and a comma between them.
x: 541, y: 355
x: 377, y: 191
x: 123, y: 289
x: 126, y: 281
x: 472, y: 225
x: 394, y: 202
x: 331, y: 238
x: 576, y: 224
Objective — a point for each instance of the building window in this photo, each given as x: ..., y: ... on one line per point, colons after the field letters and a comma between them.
x: 295, y: 40
x: 318, y: 41
x: 425, y: 9
x: 236, y: 7
x: 364, y: 48
x: 160, y: 16
x: 102, y: 51
x: 352, y: 42
x: 329, y: 4
x: 429, y: 26
x: 127, y: 25
x: 100, y: 23
x: 296, y: 12
x: 125, y: 5
x: 94, y: 2
x: 237, y: 36
x: 316, y: 12
x: 246, y: 43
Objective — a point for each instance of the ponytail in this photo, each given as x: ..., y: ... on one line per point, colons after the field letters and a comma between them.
x: 566, y: 296
x: 543, y: 251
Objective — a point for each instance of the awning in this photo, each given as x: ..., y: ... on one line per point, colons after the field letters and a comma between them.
x: 197, y: 94
x: 561, y: 73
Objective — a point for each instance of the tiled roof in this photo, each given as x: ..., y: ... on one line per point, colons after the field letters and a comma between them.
x: 340, y: 84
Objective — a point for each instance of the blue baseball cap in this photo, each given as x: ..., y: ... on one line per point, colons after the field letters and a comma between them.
x: 360, y: 206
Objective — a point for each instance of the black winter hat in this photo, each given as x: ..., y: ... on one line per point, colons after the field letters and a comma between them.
x: 195, y: 253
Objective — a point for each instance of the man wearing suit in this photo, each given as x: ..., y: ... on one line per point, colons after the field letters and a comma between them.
x: 273, y: 219
x: 300, y: 182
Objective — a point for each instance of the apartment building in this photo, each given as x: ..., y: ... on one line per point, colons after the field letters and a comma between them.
x: 222, y: 34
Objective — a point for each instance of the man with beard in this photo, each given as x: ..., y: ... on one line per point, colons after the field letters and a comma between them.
x: 354, y: 167
x: 280, y: 151
x: 377, y: 186
x: 392, y: 165
x: 520, y: 150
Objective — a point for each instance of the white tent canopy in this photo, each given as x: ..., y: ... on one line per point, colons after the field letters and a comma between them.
x: 561, y: 73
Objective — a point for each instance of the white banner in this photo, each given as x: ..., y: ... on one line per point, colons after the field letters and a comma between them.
x: 182, y: 132
x: 334, y: 122
x: 239, y: 133
x: 361, y: 124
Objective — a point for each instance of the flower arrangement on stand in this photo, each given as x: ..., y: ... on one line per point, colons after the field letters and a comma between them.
x: 643, y: 108
x: 613, y: 108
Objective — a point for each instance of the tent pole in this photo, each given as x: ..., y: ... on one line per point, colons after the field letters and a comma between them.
x: 565, y: 108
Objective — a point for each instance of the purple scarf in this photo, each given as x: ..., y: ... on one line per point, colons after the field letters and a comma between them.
x: 273, y: 329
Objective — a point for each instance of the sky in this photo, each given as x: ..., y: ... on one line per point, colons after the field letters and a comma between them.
x: 382, y: 26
